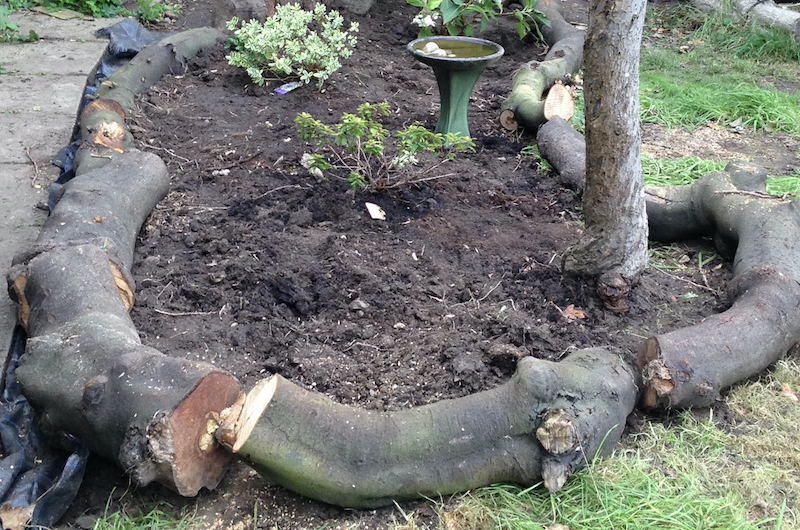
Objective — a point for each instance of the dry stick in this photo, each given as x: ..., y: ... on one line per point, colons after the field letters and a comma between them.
x: 298, y: 186
x: 183, y: 314
x: 35, y: 166
x: 690, y: 282
x: 237, y: 163
x: 759, y: 194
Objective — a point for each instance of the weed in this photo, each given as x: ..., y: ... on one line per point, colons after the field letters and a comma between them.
x: 286, y: 46
x: 359, y: 146
x: 9, y: 31
x: 152, y: 10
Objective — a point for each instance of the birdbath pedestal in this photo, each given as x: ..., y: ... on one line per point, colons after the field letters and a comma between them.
x: 457, y: 63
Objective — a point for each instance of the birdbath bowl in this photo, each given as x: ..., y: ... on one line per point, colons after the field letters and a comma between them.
x: 457, y: 63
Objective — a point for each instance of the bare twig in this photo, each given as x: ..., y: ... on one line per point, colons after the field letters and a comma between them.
x: 690, y: 282
x: 35, y: 166
x: 183, y: 314
x: 758, y: 194
x: 279, y: 188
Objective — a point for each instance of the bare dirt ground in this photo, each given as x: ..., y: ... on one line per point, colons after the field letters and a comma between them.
x: 254, y: 265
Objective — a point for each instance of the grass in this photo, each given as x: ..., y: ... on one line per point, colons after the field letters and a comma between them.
x: 685, y: 473
x: 155, y: 519
x: 680, y: 171
x: 719, y: 68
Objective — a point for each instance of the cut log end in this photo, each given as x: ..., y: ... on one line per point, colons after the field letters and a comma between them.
x: 556, y: 433
x: 507, y: 120
x: 239, y: 421
x: 559, y: 102
x: 199, y: 461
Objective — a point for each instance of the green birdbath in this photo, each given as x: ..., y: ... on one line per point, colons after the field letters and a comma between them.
x: 457, y: 63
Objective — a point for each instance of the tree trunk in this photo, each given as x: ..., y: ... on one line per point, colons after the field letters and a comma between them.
x: 525, y: 106
x: 614, y: 245
x: 542, y: 424
x: 85, y: 369
x: 690, y: 366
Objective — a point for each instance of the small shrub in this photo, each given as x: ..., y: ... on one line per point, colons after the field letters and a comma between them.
x: 294, y: 43
x: 360, y: 145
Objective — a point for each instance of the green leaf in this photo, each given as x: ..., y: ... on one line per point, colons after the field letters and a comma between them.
x: 522, y: 29
x: 415, y: 3
x: 450, y: 11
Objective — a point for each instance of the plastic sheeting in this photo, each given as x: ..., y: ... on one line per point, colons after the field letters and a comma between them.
x: 37, y: 482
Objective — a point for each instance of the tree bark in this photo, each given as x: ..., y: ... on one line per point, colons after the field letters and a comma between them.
x: 766, y: 12
x: 525, y: 105
x: 565, y: 149
x: 544, y: 423
x: 690, y: 366
x: 85, y: 369
x: 614, y: 244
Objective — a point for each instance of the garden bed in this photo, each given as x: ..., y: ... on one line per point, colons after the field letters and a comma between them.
x: 254, y: 265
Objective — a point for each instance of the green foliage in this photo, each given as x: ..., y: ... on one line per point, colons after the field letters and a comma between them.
x: 719, y: 68
x: 95, y: 8
x: 463, y: 17
x: 152, y: 10
x: 360, y: 145
x: 9, y: 32
x: 287, y: 47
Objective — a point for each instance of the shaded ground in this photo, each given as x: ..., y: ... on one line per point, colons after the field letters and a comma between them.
x: 254, y: 265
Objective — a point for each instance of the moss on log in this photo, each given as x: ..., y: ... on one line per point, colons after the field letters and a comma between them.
x: 357, y: 458
x: 690, y: 366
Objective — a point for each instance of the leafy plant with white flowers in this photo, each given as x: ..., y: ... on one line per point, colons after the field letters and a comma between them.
x: 294, y: 43
x: 463, y: 17
x: 366, y: 155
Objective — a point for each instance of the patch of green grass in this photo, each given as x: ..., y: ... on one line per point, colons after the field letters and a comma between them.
x: 155, y: 519
x: 625, y: 491
x: 785, y: 185
x: 532, y: 150
x: 681, y: 171
x: 677, y: 171
x: 152, y: 10
x: 718, y: 68
x: 673, y: 99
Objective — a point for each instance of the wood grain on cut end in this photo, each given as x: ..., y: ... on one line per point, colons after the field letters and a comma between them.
x: 199, y: 464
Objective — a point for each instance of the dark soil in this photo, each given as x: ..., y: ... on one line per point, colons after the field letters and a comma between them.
x: 252, y: 264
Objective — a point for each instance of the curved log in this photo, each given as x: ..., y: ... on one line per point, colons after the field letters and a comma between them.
x: 766, y: 12
x: 690, y: 366
x: 103, y: 130
x: 542, y: 424
x: 525, y: 105
x: 85, y: 369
